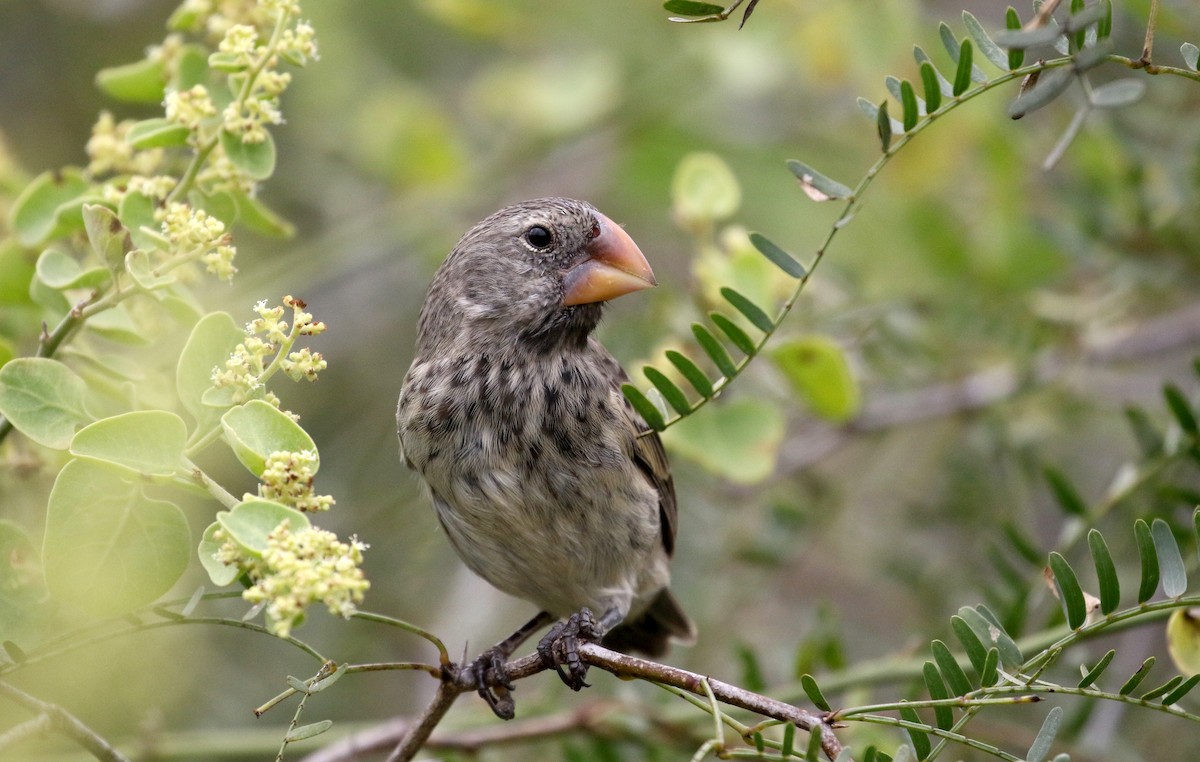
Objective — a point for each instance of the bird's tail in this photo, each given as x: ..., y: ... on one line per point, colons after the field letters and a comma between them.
x: 651, y: 631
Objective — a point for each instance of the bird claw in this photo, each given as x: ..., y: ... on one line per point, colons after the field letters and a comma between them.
x: 560, y: 648
x: 493, y: 683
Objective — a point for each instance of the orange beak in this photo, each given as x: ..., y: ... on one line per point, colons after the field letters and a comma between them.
x: 615, y: 266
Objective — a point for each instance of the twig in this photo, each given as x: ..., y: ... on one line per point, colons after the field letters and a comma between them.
x: 66, y: 723
x: 456, y: 681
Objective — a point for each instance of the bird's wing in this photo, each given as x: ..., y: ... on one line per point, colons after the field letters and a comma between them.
x: 648, y: 453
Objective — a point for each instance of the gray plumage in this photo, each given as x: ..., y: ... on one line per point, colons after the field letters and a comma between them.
x: 540, y: 472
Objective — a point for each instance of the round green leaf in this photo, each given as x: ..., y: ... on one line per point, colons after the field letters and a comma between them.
x: 137, y: 82
x: 219, y: 572
x: 137, y: 264
x: 249, y: 523
x: 108, y: 237
x: 819, y: 372
x: 137, y: 213
x: 59, y: 271
x: 157, y: 133
x: 704, y: 188
x: 38, y: 211
x: 257, y: 429
x: 738, y: 440
x: 257, y: 160
x: 109, y: 549
x: 212, y: 340
x: 43, y: 399
x: 146, y: 442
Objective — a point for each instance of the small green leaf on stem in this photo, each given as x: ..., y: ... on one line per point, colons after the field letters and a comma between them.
x: 714, y: 349
x: 740, y: 338
x: 257, y: 160
x: 157, y: 133
x: 883, y: 124
x: 1170, y: 561
x: 1069, y: 591
x: 1149, y: 560
x: 752, y: 312
x: 908, y: 100
x: 920, y: 740
x: 1106, y: 573
x: 1095, y: 672
x: 138, y: 82
x: 257, y: 429
x: 645, y: 408
x: 669, y: 390
x: 933, y: 91
x: 1045, y: 737
x: 691, y: 372
x: 148, y: 443
x: 990, y: 50
x: 962, y: 75
x: 813, y: 691
x: 1137, y: 677
x: 252, y: 521
x: 817, y: 186
x: 1181, y: 409
x: 956, y: 678
x: 937, y: 691
x: 777, y: 256
x: 1016, y: 56
x: 43, y: 399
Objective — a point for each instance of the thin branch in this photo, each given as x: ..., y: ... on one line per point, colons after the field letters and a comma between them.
x: 456, y: 681
x: 66, y: 723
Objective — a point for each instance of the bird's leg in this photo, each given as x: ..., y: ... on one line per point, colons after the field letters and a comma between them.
x: 491, y: 679
x: 560, y: 647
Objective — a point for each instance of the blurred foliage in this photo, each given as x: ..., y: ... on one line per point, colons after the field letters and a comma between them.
x: 993, y: 319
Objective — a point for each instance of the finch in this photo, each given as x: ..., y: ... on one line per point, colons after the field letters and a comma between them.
x: 548, y: 483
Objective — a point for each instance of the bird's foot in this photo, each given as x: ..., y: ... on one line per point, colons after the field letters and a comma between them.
x: 493, y: 683
x: 560, y: 648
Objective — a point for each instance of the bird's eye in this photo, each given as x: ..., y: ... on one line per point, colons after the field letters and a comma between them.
x: 538, y: 237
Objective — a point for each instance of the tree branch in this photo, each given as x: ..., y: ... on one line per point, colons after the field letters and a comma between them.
x: 66, y: 723
x: 456, y: 681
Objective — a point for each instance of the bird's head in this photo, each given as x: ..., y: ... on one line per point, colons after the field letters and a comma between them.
x: 537, y: 272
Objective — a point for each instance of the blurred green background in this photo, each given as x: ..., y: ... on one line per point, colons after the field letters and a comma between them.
x: 998, y: 318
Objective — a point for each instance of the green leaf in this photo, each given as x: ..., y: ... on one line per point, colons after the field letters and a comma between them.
x: 212, y: 340
x: 962, y: 75
x: 645, y: 408
x: 883, y: 125
x: 257, y: 216
x: 226, y: 63
x: 60, y: 271
x: 989, y: 629
x: 956, y: 679
x: 691, y: 372
x: 1106, y: 573
x: 43, y: 399
x: 1174, y: 696
x: 257, y: 429
x: 308, y: 731
x: 1137, y: 677
x: 157, y: 133
x: 136, y: 211
x: 760, y: 319
x: 137, y: 264
x: 109, y: 549
x: 813, y: 691
x: 923, y: 58
x: 1191, y: 55
x: 1181, y: 409
x: 929, y: 83
x: 38, y: 213
x: 107, y: 236
x: 219, y: 572
x: 704, y: 189
x: 778, y: 256
x: 815, y: 736
x: 819, y: 372
x: 787, y: 747
x: 1045, y: 737
x: 714, y: 349
x: 252, y: 521
x: 1118, y: 93
x: 739, y: 337
x: 816, y: 186
x: 1149, y: 438
x: 1104, y: 27
x: 138, y: 82
x: 943, y: 715
x: 990, y: 674
x: 1162, y: 690
x: 1095, y: 672
x: 144, y: 442
x: 908, y: 99
x: 1149, y: 561
x: 752, y: 675
x: 1170, y: 561
x: 991, y: 51
x: 1069, y: 592
x: 1064, y: 492
x: 116, y: 324
x: 667, y: 388
x: 1050, y: 85
x: 738, y: 440
x: 920, y: 740
x: 325, y: 682
x: 971, y: 641
x: 1016, y: 56
x: 691, y: 8
x: 257, y: 160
